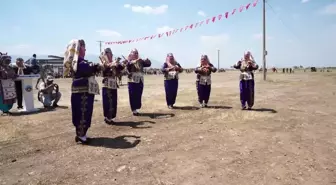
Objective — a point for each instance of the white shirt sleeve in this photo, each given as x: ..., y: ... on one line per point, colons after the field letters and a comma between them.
x: 41, y: 86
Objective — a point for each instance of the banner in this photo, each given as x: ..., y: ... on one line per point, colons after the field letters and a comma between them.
x: 189, y: 26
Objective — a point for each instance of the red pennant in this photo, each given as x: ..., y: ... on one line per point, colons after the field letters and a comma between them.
x: 181, y: 29
x: 153, y: 36
x: 191, y: 26
x: 160, y: 35
x: 186, y: 28
x: 196, y: 25
x: 241, y: 8
x: 168, y: 33
x: 146, y: 38
x: 207, y: 21
x: 247, y: 6
x: 255, y: 3
x: 201, y: 23
x: 233, y: 11
x: 213, y: 19
x: 220, y: 17
x: 226, y: 14
x: 175, y: 31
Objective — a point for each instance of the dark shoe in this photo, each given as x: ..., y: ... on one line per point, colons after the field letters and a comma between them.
x: 205, y: 105
x: 243, y: 108
x: 249, y: 108
x: 135, y: 113
x: 109, y: 122
x: 20, y: 107
x: 77, y: 139
x: 55, y: 105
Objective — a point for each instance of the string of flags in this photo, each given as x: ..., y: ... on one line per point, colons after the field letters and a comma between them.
x: 189, y: 26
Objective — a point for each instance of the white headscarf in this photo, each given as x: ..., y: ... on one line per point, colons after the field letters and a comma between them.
x: 71, y: 56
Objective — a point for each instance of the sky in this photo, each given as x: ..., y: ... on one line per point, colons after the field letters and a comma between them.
x: 298, y: 32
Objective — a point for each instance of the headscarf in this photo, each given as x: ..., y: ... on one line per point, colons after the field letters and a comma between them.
x: 204, y: 60
x: 71, y: 55
x: 103, y: 56
x: 134, y: 55
x: 248, y: 54
x: 170, y: 60
x: 5, y: 60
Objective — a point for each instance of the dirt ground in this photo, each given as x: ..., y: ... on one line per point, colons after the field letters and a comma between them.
x: 290, y: 137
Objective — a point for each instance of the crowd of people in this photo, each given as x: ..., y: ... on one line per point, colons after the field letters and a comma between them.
x: 85, y: 87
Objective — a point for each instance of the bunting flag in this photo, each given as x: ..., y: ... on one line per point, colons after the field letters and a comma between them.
x: 188, y: 27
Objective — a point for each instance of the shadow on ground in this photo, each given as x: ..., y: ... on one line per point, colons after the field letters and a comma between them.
x: 119, y: 142
x: 133, y: 124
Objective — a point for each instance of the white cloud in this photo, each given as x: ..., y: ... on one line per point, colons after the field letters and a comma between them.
x: 259, y: 36
x: 164, y: 29
x: 201, y: 13
x: 329, y: 9
x: 108, y: 33
x: 148, y: 9
x: 305, y: 1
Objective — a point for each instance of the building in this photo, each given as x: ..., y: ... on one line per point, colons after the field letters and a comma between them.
x: 56, y: 63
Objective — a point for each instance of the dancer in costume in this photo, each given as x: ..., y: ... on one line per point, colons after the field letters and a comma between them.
x: 171, y: 69
x: 246, y: 65
x: 7, y: 84
x: 135, y: 67
x: 84, y: 87
x: 203, y: 81
x: 111, y: 70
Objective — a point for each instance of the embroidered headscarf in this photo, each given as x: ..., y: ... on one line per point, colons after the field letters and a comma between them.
x: 170, y: 60
x: 248, y: 54
x: 71, y: 55
x: 104, y: 56
x: 204, y: 60
x: 134, y: 55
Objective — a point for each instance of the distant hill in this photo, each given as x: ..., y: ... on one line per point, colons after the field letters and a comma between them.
x: 93, y: 58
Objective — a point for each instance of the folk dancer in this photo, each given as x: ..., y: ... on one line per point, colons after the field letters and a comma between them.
x: 7, y: 84
x: 135, y: 67
x: 84, y: 88
x: 49, y: 93
x: 246, y: 65
x: 203, y: 80
x: 19, y: 69
x: 171, y: 70
x: 110, y: 71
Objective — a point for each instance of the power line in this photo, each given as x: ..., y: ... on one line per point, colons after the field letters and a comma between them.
x: 282, y: 22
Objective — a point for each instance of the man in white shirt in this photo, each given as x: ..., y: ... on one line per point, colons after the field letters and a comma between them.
x: 49, y: 93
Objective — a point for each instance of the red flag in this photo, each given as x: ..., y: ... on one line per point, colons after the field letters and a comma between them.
x: 175, y: 31
x: 153, y: 36
x: 207, y: 21
x: 160, y: 35
x: 146, y: 37
x: 226, y: 14
x: 220, y: 17
x: 214, y: 19
x: 186, y: 28
x: 196, y: 24
x: 191, y: 26
x: 241, y: 8
x: 233, y: 11
x: 168, y: 33
x: 255, y: 3
x: 247, y: 6
x: 181, y: 29
x: 201, y: 23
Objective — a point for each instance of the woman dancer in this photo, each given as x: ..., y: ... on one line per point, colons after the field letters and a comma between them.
x: 203, y: 81
x: 111, y: 70
x: 7, y: 84
x: 171, y: 69
x: 84, y: 88
x: 246, y: 66
x: 135, y: 67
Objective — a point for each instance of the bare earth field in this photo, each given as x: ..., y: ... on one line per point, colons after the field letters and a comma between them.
x: 290, y: 137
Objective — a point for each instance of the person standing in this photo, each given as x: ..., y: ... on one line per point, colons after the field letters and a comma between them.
x: 83, y: 89
x: 171, y: 70
x: 203, y: 80
x: 246, y: 65
x: 111, y: 70
x: 135, y: 67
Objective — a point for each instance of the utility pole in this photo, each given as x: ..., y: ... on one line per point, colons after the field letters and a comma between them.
x: 264, y: 39
x: 218, y: 58
x: 100, y: 45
